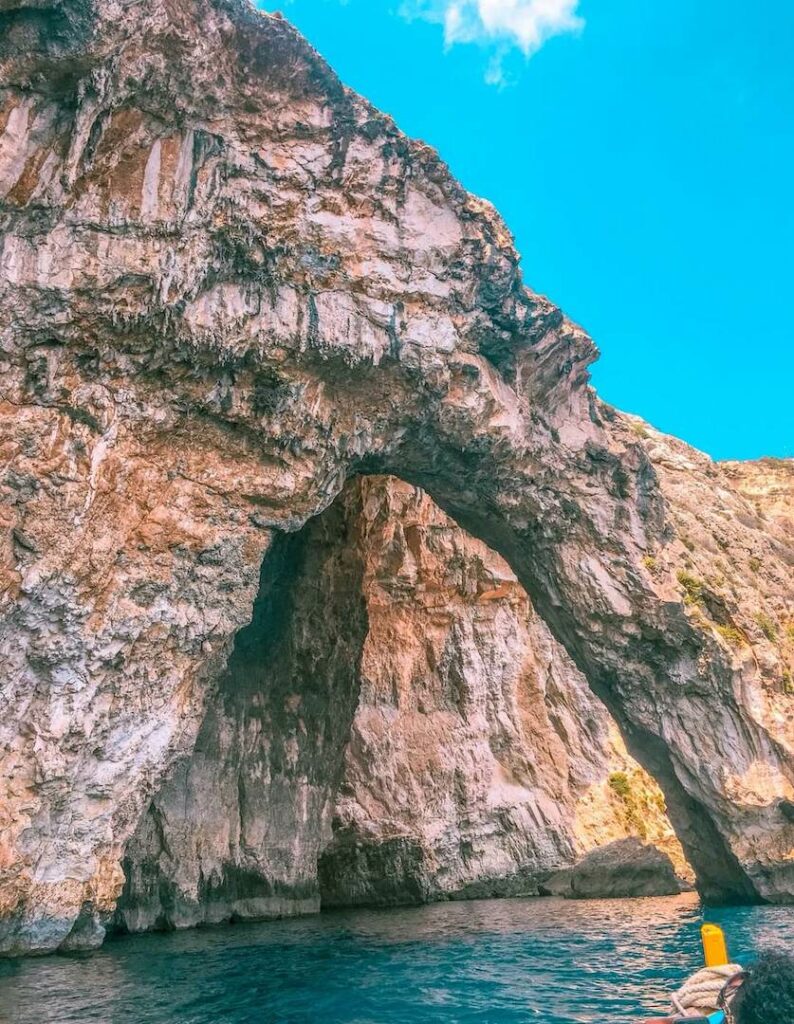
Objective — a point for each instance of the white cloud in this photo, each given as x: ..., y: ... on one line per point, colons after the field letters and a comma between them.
x: 503, y: 24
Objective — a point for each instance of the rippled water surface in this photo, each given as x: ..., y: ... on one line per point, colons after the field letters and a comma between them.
x: 500, y: 962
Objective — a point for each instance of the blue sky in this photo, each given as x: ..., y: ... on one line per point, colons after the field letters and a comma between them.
x: 642, y: 152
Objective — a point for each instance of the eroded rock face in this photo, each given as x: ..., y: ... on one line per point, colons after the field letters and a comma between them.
x: 227, y: 284
x: 769, y: 485
x: 478, y: 760
x: 397, y: 712
x: 623, y: 869
x: 237, y: 829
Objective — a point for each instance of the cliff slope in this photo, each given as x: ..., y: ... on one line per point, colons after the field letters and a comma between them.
x: 398, y: 713
x: 227, y: 285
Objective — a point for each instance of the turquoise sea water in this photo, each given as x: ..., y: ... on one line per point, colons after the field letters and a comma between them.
x: 534, y: 961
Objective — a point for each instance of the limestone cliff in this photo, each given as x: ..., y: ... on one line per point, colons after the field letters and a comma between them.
x: 769, y: 485
x: 227, y: 285
x: 478, y: 759
x: 397, y: 712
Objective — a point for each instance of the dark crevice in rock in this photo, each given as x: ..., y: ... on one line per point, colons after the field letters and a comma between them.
x: 391, y: 873
x: 236, y: 831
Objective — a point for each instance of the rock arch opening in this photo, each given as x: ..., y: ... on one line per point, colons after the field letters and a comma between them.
x: 395, y: 725
x: 252, y: 312
x: 654, y: 666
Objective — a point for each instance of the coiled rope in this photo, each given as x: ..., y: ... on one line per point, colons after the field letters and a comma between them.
x: 701, y: 991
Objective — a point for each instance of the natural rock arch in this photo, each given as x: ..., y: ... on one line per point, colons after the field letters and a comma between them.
x: 394, y: 725
x: 228, y: 284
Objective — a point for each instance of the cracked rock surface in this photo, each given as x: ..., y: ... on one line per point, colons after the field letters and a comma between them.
x: 227, y: 285
x: 478, y: 759
x: 397, y: 712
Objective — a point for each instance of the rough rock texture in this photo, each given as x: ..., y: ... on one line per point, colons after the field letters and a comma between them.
x: 478, y: 758
x: 623, y: 869
x: 227, y: 284
x: 237, y: 830
x: 769, y: 485
x: 396, y: 697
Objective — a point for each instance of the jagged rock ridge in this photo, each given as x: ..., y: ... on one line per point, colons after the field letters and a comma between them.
x: 227, y: 285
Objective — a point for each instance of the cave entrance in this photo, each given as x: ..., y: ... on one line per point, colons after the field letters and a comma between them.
x: 237, y: 829
x: 395, y: 725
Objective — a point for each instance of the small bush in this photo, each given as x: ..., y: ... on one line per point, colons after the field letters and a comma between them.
x: 639, y: 430
x: 688, y: 543
x: 649, y: 562
x: 755, y: 563
x: 693, y: 587
x: 790, y: 630
x: 767, y: 626
x: 633, y: 805
x: 731, y: 634
x: 619, y: 783
x: 788, y: 683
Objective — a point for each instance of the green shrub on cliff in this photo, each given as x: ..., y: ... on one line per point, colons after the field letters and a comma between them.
x: 619, y: 783
x: 693, y: 587
x: 731, y: 634
x: 767, y: 626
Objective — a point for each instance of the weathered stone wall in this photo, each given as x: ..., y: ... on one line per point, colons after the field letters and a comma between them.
x: 227, y: 284
x: 237, y: 830
x: 394, y: 683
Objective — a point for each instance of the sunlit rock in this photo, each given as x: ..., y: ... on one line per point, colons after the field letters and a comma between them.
x: 228, y: 284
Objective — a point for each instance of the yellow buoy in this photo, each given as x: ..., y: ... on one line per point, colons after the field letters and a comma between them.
x: 715, y: 949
